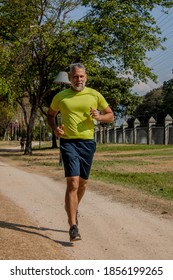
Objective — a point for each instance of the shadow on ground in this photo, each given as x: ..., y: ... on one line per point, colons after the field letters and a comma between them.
x: 34, y: 230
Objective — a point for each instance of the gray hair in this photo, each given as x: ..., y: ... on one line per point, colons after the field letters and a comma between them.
x: 73, y: 66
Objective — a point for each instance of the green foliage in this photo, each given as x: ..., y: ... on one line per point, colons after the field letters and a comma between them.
x: 7, y: 113
x: 151, y: 106
x: 38, y: 39
x: 116, y: 90
x: 39, y: 46
x: 157, y: 103
x: 168, y: 97
x: 123, y: 32
x: 7, y: 106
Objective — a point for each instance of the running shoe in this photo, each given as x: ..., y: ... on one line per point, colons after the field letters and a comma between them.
x: 74, y: 233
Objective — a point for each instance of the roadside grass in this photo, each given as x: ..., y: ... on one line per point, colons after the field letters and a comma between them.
x: 130, y: 147
x: 116, y: 164
x: 159, y: 184
x: 116, y: 157
x: 165, y: 153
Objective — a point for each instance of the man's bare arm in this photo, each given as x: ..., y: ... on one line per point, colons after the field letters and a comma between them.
x: 106, y: 117
x: 58, y: 130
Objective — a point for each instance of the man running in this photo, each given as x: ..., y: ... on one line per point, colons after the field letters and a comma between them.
x: 79, y: 107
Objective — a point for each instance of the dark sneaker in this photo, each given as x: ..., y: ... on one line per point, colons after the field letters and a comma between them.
x: 74, y: 233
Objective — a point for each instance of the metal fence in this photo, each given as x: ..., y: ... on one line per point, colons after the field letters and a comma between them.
x: 151, y: 134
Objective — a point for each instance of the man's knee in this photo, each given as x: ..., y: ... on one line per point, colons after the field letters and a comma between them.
x: 82, y: 184
x: 73, y: 183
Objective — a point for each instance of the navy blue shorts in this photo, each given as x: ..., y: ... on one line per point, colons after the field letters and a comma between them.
x: 77, y: 156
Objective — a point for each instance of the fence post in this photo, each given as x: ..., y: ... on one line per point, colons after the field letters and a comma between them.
x: 150, y: 124
x: 101, y: 133
x: 136, y: 124
x: 107, y: 134
x: 95, y: 134
x: 124, y: 126
x: 168, y: 121
x: 115, y: 132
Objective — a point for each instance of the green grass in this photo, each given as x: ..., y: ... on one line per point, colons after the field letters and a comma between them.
x: 130, y: 157
x: 160, y: 184
x: 114, y: 167
x: 120, y: 164
x: 130, y: 147
x: 117, y: 162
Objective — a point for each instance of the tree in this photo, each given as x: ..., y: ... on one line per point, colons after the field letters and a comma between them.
x: 157, y: 103
x: 151, y: 106
x: 41, y: 40
x: 123, y: 32
x: 116, y: 90
x: 168, y: 97
x: 6, y: 115
x: 7, y: 108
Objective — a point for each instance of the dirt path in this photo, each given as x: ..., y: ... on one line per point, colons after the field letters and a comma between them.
x: 110, y: 230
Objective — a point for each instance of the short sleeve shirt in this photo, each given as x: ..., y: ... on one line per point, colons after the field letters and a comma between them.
x: 75, y: 110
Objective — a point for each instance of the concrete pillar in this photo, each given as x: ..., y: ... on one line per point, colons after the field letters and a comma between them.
x: 124, y: 126
x: 95, y: 134
x: 107, y: 134
x: 168, y: 121
x: 101, y: 133
x: 151, y: 122
x: 115, y: 132
x: 135, y: 125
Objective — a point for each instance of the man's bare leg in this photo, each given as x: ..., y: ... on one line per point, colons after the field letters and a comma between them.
x: 71, y: 204
x: 71, y: 199
x: 81, y: 189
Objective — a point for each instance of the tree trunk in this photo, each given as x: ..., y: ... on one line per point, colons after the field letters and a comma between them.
x: 5, y: 135
x: 28, y: 147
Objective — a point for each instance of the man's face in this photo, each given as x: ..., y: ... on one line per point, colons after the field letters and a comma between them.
x: 78, y: 79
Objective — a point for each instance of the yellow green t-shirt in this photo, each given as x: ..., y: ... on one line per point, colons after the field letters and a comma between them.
x: 75, y: 110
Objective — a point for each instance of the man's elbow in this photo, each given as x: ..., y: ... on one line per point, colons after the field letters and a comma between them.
x: 112, y: 118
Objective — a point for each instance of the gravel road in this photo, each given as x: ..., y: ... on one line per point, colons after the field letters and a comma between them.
x: 109, y: 230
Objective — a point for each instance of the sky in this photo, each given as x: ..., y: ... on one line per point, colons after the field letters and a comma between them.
x: 161, y: 61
